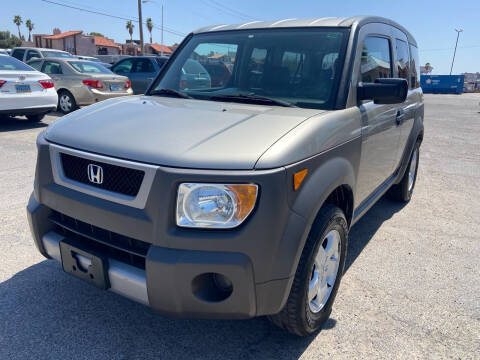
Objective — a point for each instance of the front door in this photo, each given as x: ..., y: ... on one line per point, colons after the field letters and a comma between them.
x: 380, y: 132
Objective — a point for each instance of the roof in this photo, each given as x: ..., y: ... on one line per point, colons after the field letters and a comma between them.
x: 39, y: 49
x: 63, y: 35
x: 305, y: 23
x: 158, y: 48
x: 103, y: 41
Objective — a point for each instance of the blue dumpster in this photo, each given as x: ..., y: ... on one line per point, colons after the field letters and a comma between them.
x: 442, y: 84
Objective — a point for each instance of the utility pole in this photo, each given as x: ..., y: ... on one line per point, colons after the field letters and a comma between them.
x: 455, y: 51
x: 161, y: 39
x: 140, y: 24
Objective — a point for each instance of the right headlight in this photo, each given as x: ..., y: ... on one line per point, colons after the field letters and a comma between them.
x: 223, y: 206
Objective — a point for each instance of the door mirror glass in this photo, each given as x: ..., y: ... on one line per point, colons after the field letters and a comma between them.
x: 383, y: 91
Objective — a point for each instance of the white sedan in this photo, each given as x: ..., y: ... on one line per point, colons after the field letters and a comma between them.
x: 25, y: 91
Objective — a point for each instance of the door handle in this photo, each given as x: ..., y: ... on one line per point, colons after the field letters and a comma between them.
x: 400, y: 116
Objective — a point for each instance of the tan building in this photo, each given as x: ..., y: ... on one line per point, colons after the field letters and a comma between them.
x: 158, y: 49
x: 106, y: 46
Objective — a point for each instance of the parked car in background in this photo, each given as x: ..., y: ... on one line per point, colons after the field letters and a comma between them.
x: 112, y: 59
x: 94, y: 59
x: 26, y: 54
x: 141, y: 70
x: 195, y: 76
x: 80, y: 82
x: 218, y: 72
x: 25, y: 91
x: 4, y: 52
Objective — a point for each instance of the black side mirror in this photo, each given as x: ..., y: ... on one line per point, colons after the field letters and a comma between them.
x: 384, y: 91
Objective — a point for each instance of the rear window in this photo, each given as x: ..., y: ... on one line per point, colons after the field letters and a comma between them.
x: 402, y: 59
x: 414, y: 68
x: 89, y: 67
x: 58, y: 54
x: 9, y: 63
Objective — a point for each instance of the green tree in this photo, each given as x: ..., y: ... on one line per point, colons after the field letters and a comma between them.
x: 17, y: 20
x: 30, y: 27
x: 94, y: 33
x: 130, y: 27
x: 8, y: 41
x: 150, y: 28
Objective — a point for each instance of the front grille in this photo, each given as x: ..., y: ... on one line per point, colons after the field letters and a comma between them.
x: 107, y: 243
x: 117, y: 179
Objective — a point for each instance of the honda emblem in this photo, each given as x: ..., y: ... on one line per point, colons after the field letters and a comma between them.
x: 95, y: 173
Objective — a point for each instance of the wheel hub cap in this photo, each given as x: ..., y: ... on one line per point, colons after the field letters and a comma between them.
x: 324, y: 272
x: 65, y: 103
x: 412, y: 170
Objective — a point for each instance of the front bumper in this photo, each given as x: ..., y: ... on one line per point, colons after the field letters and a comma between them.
x: 175, y: 278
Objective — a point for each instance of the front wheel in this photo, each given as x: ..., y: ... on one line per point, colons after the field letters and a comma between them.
x: 318, y: 275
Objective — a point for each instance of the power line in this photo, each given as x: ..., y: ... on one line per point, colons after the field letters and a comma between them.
x: 450, y: 48
x: 169, y: 30
x: 225, y: 10
x: 239, y: 13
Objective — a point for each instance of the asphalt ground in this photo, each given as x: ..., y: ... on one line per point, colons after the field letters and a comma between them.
x: 411, y: 287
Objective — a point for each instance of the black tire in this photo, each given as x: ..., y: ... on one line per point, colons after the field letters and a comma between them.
x: 402, y: 191
x: 35, y: 118
x: 297, y: 316
x: 64, y: 95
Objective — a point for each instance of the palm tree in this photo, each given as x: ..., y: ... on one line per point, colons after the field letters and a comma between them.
x: 17, y: 20
x: 150, y: 28
x: 130, y: 27
x: 30, y: 27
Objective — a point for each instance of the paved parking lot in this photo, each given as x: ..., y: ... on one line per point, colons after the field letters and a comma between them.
x: 411, y: 287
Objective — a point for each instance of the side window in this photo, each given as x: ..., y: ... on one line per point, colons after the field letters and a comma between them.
x: 36, y: 64
x: 414, y: 68
x: 402, y: 60
x: 143, y: 66
x: 123, y: 67
x: 376, y: 61
x: 52, y: 68
x: 31, y: 54
x: 18, y: 54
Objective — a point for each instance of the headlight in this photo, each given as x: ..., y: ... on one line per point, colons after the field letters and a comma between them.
x: 214, y: 205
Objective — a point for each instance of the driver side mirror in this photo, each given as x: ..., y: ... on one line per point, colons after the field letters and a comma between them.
x: 384, y: 91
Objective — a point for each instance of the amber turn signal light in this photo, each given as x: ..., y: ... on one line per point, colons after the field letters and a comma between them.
x: 298, y: 178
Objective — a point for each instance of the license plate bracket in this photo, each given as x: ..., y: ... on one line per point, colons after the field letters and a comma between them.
x: 84, y: 264
x: 23, y: 88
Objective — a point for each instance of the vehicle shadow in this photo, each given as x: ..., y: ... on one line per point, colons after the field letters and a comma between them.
x: 361, y: 233
x: 14, y: 124
x: 46, y: 313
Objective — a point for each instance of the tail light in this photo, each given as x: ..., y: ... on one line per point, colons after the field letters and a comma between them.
x: 97, y: 84
x: 2, y: 82
x: 128, y: 84
x: 47, y: 84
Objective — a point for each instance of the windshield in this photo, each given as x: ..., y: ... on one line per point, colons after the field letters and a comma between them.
x: 296, y: 66
x: 89, y: 67
x: 57, y: 54
x: 10, y: 63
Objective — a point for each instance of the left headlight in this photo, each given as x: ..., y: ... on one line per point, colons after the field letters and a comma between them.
x: 220, y: 206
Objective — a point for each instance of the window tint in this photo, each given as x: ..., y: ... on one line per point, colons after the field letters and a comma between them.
x: 414, y: 68
x: 144, y: 66
x: 123, y: 67
x: 376, y: 62
x: 18, y: 54
x: 32, y: 54
x: 9, y: 63
x: 402, y: 60
x: 36, y: 64
x: 51, y: 67
x: 89, y: 67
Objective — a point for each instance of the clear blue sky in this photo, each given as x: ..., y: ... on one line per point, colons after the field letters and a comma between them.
x: 432, y: 23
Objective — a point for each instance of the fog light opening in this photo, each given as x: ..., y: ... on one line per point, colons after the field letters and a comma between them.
x: 212, y: 287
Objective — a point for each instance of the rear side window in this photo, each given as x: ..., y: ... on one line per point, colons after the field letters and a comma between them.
x: 36, y: 64
x: 403, y: 59
x: 51, y: 67
x: 144, y: 66
x: 414, y: 68
x: 31, y: 54
x: 376, y: 61
x: 18, y: 54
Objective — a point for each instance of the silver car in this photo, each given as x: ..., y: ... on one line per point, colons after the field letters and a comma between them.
x: 80, y: 82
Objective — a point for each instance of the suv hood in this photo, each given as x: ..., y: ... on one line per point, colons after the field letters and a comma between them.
x: 177, y: 132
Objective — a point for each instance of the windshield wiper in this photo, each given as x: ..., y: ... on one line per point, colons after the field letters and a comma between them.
x: 170, y: 92
x: 251, y: 98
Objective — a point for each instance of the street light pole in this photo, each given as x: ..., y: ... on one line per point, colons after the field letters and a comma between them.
x: 455, y: 51
x: 161, y: 38
x: 140, y: 24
